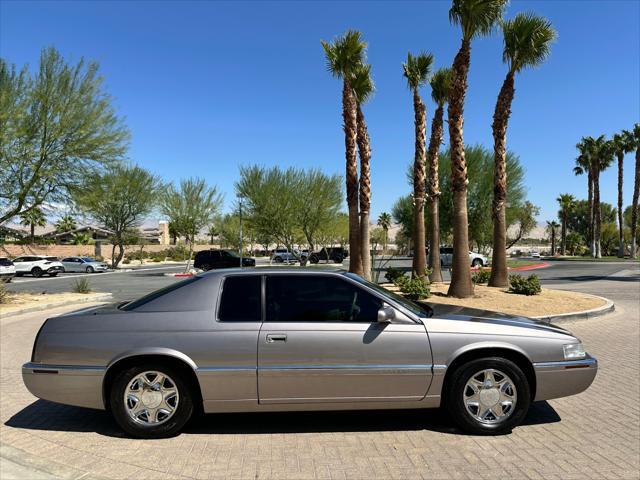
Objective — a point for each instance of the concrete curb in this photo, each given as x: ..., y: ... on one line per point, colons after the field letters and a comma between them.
x: 608, y: 307
x: 38, y: 467
x: 62, y: 303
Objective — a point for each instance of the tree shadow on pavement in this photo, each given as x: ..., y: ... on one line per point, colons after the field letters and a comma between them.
x: 44, y: 415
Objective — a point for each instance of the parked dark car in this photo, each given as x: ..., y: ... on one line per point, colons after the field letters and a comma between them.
x: 210, y: 259
x: 333, y: 254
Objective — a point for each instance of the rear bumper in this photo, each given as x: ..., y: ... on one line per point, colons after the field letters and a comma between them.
x: 561, y: 379
x: 76, y: 385
x: 55, y: 270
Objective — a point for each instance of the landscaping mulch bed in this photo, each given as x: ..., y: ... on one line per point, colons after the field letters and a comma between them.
x: 549, y: 302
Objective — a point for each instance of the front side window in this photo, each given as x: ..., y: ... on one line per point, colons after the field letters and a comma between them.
x: 241, y: 299
x: 318, y: 298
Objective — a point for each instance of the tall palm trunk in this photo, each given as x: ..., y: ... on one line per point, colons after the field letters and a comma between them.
x: 364, y: 149
x: 563, y: 234
x: 434, y: 195
x: 499, y: 275
x: 597, y: 214
x: 620, y: 220
x: 591, y: 230
x: 634, y: 206
x: 33, y: 232
x: 349, y: 117
x: 553, y: 242
x: 419, y: 181
x: 461, y: 285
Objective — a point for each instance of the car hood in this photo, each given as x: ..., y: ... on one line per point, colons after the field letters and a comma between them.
x: 474, y: 320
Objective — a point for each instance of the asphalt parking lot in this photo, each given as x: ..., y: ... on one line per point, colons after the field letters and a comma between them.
x: 595, y: 434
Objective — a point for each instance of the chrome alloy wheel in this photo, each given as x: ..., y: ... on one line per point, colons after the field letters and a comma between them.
x: 490, y: 396
x: 151, y: 398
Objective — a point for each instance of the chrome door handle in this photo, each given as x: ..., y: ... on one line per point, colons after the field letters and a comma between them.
x: 272, y: 338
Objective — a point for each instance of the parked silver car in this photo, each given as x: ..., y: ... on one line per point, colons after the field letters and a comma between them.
x: 259, y: 340
x: 83, y: 264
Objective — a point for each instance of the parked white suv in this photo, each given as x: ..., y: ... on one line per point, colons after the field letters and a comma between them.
x: 476, y: 259
x: 7, y: 270
x: 37, y: 265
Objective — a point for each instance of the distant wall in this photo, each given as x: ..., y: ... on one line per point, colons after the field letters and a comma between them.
x: 81, y: 250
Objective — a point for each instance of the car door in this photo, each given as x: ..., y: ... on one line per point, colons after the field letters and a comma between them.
x: 321, y: 342
x: 70, y: 264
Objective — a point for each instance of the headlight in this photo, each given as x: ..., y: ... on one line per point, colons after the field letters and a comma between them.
x: 573, y: 351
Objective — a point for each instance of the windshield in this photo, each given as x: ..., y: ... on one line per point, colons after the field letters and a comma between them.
x: 51, y: 259
x: 87, y: 259
x: 414, y: 307
x: 158, y: 293
x: 229, y: 253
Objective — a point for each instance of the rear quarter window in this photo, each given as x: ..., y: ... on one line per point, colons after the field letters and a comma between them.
x: 241, y: 299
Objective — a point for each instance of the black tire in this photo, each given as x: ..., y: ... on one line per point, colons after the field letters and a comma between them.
x: 36, y: 272
x: 278, y: 260
x: 206, y: 267
x: 477, y: 263
x: 89, y: 269
x: 338, y: 259
x: 170, y: 427
x: 455, y: 391
x: 314, y: 259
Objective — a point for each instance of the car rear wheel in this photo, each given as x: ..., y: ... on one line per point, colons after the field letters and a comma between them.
x: 36, y: 271
x: 338, y: 259
x: 89, y: 269
x: 278, y: 259
x: 151, y: 401
x: 476, y: 263
x: 488, y: 396
x: 314, y: 259
x: 205, y: 267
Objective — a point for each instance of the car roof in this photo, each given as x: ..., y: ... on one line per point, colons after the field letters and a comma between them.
x: 270, y: 270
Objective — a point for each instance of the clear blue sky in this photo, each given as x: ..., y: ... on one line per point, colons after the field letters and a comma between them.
x: 208, y: 86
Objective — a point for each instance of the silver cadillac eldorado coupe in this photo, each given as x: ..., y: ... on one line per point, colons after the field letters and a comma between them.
x: 272, y: 339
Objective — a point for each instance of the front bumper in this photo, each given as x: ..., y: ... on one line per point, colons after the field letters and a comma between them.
x: 77, y: 385
x: 561, y: 379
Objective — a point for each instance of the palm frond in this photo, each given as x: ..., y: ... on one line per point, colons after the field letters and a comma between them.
x: 527, y: 41
x: 441, y: 85
x: 345, y: 53
x: 476, y: 17
x: 362, y: 83
x: 417, y: 69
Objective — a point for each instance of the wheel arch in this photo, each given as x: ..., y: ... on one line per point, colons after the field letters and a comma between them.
x: 170, y: 357
x: 509, y: 352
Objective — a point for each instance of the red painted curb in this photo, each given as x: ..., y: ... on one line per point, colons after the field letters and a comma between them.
x: 183, y: 275
x: 531, y: 267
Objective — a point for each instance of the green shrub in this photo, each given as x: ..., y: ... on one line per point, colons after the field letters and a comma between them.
x: 415, y: 288
x: 524, y: 286
x: 157, y: 259
x: 481, y: 276
x: 81, y: 285
x: 393, y: 274
x: 4, y: 294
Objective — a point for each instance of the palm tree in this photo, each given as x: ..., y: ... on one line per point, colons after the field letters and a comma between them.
x: 583, y: 165
x: 636, y: 191
x: 477, y: 18
x: 527, y: 42
x: 344, y: 55
x: 384, y: 221
x: 567, y: 204
x: 440, y: 87
x: 33, y: 218
x: 552, y: 230
x: 600, y: 152
x: 622, y: 144
x: 363, y: 88
x: 65, y: 224
x: 416, y: 71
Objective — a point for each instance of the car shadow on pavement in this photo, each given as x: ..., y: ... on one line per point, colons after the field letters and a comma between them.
x: 44, y: 415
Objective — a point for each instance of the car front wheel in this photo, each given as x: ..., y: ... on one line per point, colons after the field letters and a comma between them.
x: 488, y: 396
x: 36, y: 272
x: 89, y: 269
x: 151, y: 401
x: 476, y: 263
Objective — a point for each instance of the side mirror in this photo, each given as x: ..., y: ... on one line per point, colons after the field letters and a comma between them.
x: 386, y: 314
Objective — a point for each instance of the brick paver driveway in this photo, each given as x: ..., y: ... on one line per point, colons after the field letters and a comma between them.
x: 591, y: 435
